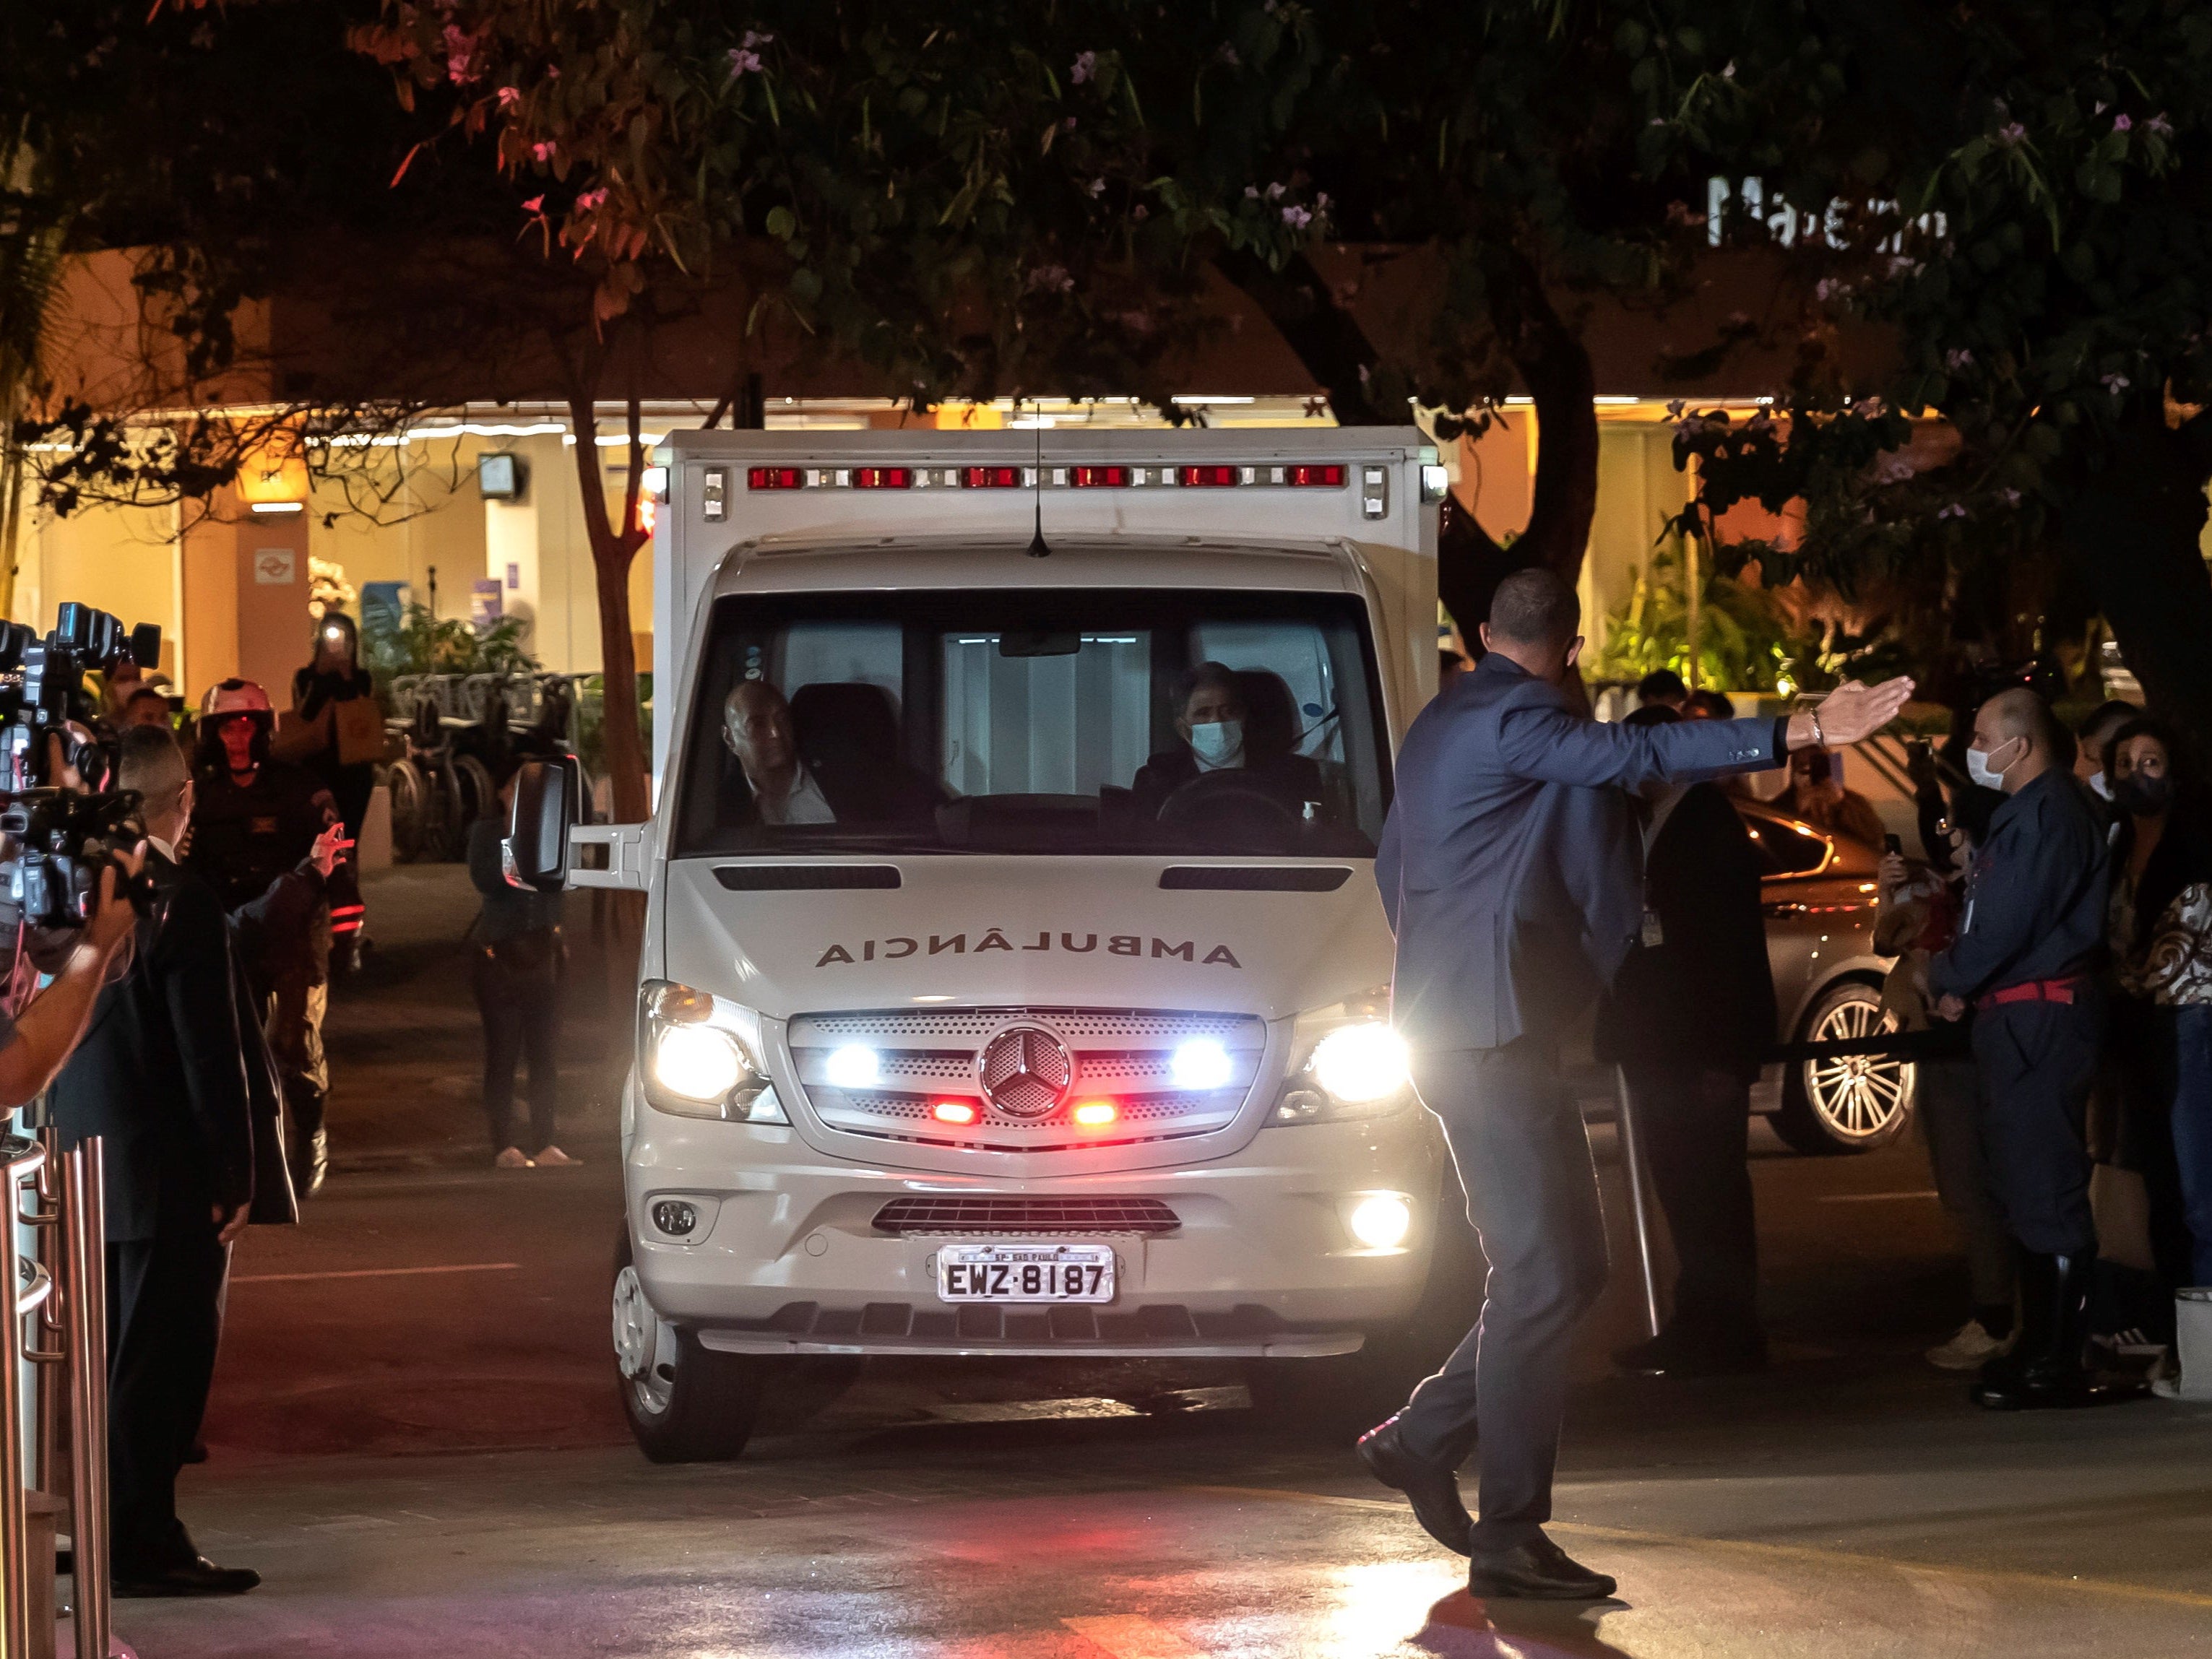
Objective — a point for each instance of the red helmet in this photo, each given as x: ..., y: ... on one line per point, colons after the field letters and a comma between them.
x: 236, y: 697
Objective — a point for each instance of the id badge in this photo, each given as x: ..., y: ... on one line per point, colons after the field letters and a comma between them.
x: 1653, y: 935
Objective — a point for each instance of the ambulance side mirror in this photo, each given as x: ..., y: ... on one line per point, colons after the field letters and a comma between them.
x: 535, y: 853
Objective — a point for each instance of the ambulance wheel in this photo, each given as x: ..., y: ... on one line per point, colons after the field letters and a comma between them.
x: 685, y: 1403
x: 1853, y: 1105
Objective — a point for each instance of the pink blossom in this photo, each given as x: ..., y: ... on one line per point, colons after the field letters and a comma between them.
x: 1958, y: 357
x: 535, y: 205
x: 542, y: 153
x: 2122, y: 122
x: 589, y: 200
x: 1296, y: 217
x: 509, y: 97
x: 2115, y: 384
x: 2160, y: 125
x: 460, y: 50
x: 1085, y: 67
x: 1953, y: 510
x: 2012, y: 133
x: 2011, y: 497
x: 744, y: 61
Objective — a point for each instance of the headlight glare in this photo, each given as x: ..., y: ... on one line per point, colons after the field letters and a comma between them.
x: 1346, y: 1062
x: 695, y: 1062
x: 1361, y: 1063
x: 698, y: 1056
x: 1379, y: 1221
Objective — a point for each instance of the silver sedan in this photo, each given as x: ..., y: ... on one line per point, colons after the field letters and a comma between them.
x: 1818, y: 890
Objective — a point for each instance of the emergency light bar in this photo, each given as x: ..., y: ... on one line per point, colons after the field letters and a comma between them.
x: 1307, y: 475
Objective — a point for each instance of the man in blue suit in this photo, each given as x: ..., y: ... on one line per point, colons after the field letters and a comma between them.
x: 1512, y: 868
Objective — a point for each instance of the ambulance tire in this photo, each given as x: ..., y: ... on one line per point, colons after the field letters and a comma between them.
x: 684, y: 1402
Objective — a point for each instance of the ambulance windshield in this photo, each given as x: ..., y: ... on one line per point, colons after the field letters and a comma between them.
x: 1046, y: 721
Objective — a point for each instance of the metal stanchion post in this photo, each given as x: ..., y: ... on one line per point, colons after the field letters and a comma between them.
x: 1631, y: 1160
x: 21, y: 1158
x: 84, y: 1200
x: 54, y: 1251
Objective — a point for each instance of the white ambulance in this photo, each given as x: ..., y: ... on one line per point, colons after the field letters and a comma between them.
x: 1013, y: 978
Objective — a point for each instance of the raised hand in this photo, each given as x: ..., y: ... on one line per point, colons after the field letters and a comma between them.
x: 1852, y: 713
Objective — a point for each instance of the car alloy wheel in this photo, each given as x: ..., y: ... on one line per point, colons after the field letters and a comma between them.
x: 1859, y: 1100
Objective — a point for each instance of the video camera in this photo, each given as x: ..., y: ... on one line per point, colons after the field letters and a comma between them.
x: 59, y: 838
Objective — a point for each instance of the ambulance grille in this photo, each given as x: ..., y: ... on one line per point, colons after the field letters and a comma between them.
x: 926, y: 1057
x: 1025, y: 1215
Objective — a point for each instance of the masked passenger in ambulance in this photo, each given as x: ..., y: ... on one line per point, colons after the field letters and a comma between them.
x: 832, y: 760
x: 1238, y: 732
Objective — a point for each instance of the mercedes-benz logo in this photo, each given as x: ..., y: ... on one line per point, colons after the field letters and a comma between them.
x: 1025, y: 1071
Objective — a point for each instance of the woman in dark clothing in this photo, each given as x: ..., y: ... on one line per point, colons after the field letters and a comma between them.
x: 1690, y: 1016
x: 335, y: 676
x: 2161, y: 945
x: 517, y: 954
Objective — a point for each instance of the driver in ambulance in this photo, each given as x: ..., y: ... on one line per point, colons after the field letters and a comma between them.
x: 1214, y: 719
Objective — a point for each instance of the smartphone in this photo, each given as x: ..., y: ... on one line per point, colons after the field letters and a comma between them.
x: 1893, y: 844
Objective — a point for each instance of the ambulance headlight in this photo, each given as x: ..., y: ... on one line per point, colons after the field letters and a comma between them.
x: 700, y: 1056
x: 1357, y: 1064
x: 1346, y: 1062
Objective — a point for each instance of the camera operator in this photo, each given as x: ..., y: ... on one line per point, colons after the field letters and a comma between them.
x: 268, y: 837
x: 160, y: 1076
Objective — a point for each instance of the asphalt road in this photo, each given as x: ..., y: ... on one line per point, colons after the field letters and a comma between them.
x: 415, y: 1438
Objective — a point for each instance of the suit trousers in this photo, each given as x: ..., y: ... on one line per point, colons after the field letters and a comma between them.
x: 1697, y: 1128
x: 164, y: 1317
x: 1524, y: 1160
x: 2037, y: 1061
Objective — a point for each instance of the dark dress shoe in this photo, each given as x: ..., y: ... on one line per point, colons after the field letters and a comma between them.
x: 1538, y: 1570
x: 198, y: 1576
x: 1676, y: 1352
x: 1433, y: 1489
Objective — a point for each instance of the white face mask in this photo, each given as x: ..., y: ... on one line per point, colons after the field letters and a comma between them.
x: 1982, y: 772
x: 2100, y: 786
x: 1218, y: 743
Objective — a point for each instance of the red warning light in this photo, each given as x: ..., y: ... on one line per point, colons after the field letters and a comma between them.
x: 953, y: 1111
x: 991, y: 478
x: 1097, y: 477
x: 883, y: 477
x: 1096, y: 1113
x: 1209, y: 478
x: 1314, y: 476
x: 775, y: 478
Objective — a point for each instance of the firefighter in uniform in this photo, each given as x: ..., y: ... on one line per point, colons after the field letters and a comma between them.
x: 255, y: 830
x: 2024, y: 962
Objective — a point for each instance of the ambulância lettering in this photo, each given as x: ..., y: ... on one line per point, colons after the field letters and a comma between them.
x: 898, y: 948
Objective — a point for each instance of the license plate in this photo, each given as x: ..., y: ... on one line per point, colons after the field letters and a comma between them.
x: 1025, y: 1272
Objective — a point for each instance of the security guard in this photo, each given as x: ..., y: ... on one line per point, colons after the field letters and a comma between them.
x: 2024, y: 962
x: 263, y: 832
